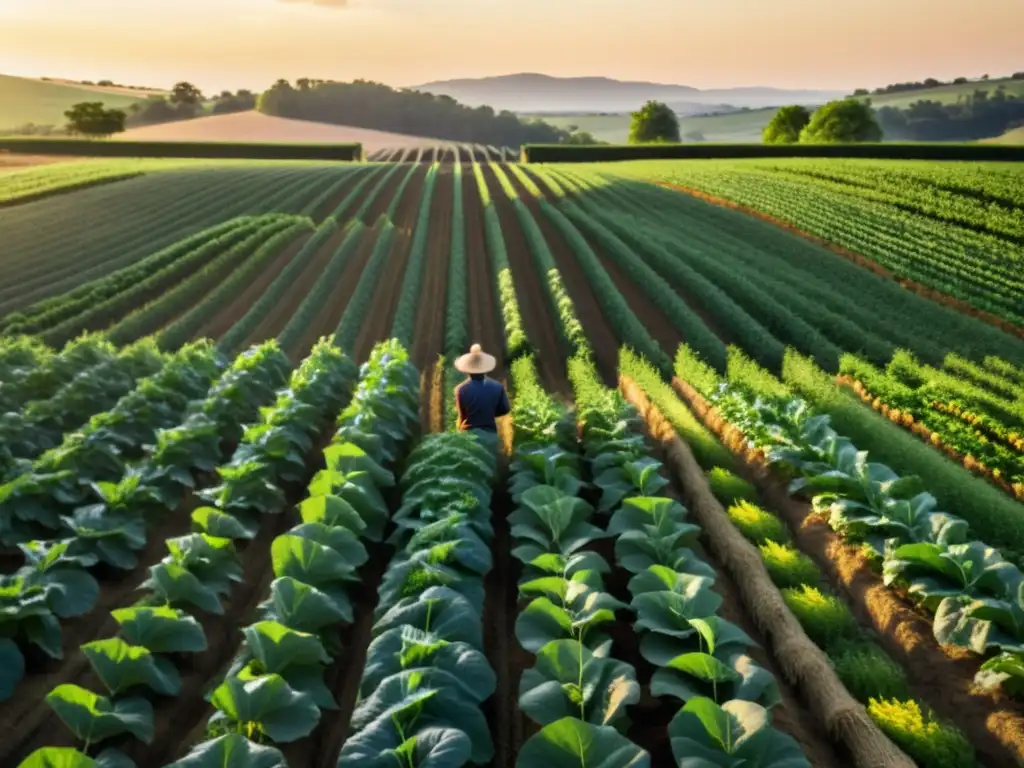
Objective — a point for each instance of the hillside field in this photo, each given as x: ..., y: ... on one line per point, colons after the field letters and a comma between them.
x: 763, y: 471
x: 23, y: 100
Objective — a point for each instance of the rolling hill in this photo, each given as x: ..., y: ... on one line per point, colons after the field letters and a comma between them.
x: 23, y: 100
x: 257, y: 127
x: 529, y: 92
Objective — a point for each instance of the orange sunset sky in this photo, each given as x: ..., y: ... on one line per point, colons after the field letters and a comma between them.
x: 217, y: 44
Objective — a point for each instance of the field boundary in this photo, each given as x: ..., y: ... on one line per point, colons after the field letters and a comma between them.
x: 207, y: 150
x: 582, y: 153
x: 860, y: 260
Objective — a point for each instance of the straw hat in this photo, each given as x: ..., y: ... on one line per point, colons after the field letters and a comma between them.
x: 477, y: 361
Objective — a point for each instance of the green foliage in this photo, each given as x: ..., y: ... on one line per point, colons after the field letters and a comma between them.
x: 931, y: 743
x: 572, y: 742
x: 730, y: 488
x: 403, y: 327
x: 92, y: 119
x: 356, y: 310
x: 842, y: 122
x: 786, y: 125
x: 457, y: 307
x: 757, y: 525
x: 788, y: 566
x: 654, y: 122
x: 868, y: 673
x: 825, y: 618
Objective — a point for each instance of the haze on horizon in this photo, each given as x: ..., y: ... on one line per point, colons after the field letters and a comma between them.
x: 234, y: 44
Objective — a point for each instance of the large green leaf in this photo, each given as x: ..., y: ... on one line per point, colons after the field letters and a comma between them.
x: 661, y: 578
x: 278, y: 647
x: 121, y: 666
x: 309, y: 561
x: 712, y: 634
x: 69, y: 757
x: 333, y: 511
x: 177, y: 585
x: 440, y: 611
x: 640, y: 511
x: 638, y: 550
x: 94, y: 718
x: 669, y: 613
x: 381, y: 746
x: 71, y: 590
x: 303, y: 607
x: 343, y: 541
x: 405, y: 647
x: 571, y: 681
x: 581, y: 616
x: 572, y: 743
x: 216, y: 522
x: 737, y: 733
x: 12, y: 667
x: 112, y: 536
x: 694, y: 675
x: 410, y: 700
x: 231, y: 751
x: 266, y: 704
x: 161, y: 629
x: 349, y: 457
x: 409, y: 575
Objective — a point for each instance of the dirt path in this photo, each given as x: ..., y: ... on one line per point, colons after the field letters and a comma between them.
x: 602, y: 336
x: 942, y: 676
x: 428, y: 337
x: 540, y: 326
x: 484, y: 314
x: 377, y: 326
x: 222, y: 322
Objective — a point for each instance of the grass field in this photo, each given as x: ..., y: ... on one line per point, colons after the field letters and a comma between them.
x: 1015, y: 136
x: 257, y: 531
x: 24, y: 101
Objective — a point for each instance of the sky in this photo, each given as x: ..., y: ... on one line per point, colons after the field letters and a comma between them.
x: 218, y: 44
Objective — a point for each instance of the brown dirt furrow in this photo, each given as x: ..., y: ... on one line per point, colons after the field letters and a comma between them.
x: 351, y: 179
x: 942, y: 676
x: 221, y: 323
x: 602, y: 336
x: 326, y: 321
x: 541, y: 327
x: 276, y: 320
x: 858, y: 259
x: 802, y: 664
x: 377, y: 326
x: 484, y: 325
x: 428, y: 334
x: 382, y: 201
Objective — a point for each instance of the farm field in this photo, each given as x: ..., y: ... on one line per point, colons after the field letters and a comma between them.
x: 24, y: 100
x: 237, y: 525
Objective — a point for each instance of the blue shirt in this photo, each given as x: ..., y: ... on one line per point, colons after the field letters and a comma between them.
x: 480, y: 402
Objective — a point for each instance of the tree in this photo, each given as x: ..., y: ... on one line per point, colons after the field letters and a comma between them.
x: 861, y: 92
x: 786, y: 125
x: 89, y: 118
x: 840, y: 122
x: 186, y: 93
x: 654, y: 122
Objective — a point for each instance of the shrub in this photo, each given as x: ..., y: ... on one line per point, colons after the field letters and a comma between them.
x: 825, y: 618
x: 868, y: 672
x: 756, y: 524
x: 788, y: 567
x: 930, y: 743
x: 729, y: 488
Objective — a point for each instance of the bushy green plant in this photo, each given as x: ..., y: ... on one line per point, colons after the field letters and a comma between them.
x: 787, y: 566
x: 930, y: 743
x: 730, y: 488
x: 868, y: 673
x: 756, y: 524
x: 825, y: 618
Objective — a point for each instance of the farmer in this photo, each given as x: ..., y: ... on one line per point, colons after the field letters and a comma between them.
x: 480, y: 399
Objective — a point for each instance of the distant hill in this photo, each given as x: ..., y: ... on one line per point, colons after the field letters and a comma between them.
x: 529, y: 92
x: 1014, y: 136
x: 946, y: 94
x: 741, y: 127
x: 23, y: 100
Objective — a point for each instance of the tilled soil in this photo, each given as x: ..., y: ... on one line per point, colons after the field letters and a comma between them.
x: 485, y: 325
x: 221, y: 323
x: 603, y: 338
x: 377, y: 326
x: 535, y: 309
x: 428, y: 336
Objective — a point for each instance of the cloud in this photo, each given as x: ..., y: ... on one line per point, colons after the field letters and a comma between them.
x: 321, y: 3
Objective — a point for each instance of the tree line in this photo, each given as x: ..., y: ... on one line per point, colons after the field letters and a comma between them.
x: 922, y: 85
x: 979, y: 115
x: 368, y: 104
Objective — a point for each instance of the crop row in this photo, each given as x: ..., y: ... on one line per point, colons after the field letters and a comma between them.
x: 94, y: 500
x: 948, y: 258
x: 970, y: 588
